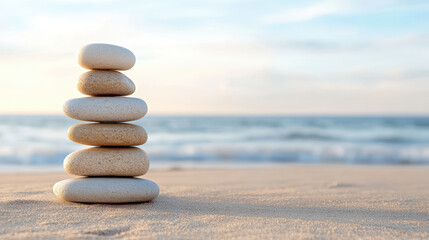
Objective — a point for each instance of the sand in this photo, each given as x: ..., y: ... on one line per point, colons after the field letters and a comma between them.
x: 295, y: 202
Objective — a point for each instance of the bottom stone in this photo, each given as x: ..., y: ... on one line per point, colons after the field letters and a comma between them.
x: 106, y: 190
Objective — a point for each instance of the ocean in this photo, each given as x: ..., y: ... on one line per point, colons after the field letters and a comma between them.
x: 175, y: 141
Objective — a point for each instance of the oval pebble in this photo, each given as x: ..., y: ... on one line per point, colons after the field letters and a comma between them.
x: 107, y: 134
x: 105, y: 83
x: 107, y: 161
x: 106, y: 57
x: 105, y: 109
x: 106, y: 190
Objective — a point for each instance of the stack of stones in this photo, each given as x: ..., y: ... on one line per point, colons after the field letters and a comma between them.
x: 109, y: 168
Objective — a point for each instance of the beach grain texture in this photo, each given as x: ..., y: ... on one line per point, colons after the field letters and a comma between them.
x: 293, y: 202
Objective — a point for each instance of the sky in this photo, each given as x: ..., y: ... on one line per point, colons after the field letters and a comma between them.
x: 225, y: 57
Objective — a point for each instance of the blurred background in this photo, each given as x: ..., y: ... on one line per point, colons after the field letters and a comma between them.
x: 228, y: 83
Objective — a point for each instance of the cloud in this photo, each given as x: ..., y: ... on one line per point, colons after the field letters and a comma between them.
x: 305, y: 13
x: 369, y: 45
x: 321, y: 9
x: 192, y: 61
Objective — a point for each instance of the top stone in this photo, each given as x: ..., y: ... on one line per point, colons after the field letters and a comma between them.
x: 99, y: 56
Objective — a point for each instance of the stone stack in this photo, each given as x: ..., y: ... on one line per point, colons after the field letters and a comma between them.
x: 109, y: 168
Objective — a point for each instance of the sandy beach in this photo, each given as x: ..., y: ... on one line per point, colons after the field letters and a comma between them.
x: 295, y: 202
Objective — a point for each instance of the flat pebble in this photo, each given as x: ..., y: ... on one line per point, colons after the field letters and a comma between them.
x: 105, y: 109
x: 106, y: 190
x: 107, y: 161
x: 105, y: 83
x: 106, y: 57
x: 107, y: 134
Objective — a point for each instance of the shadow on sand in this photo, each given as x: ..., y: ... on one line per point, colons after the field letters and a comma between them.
x: 175, y: 205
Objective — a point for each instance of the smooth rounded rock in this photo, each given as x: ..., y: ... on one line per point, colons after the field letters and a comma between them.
x: 105, y: 83
x: 106, y: 190
x: 106, y: 57
x: 107, y: 134
x: 105, y: 109
x: 107, y: 161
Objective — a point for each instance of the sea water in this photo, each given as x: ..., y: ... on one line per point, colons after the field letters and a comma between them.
x: 41, y: 140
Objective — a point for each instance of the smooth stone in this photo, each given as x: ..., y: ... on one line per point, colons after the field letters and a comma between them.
x: 100, y: 56
x: 107, y: 161
x: 107, y: 134
x: 105, y: 83
x: 106, y: 190
x: 105, y: 109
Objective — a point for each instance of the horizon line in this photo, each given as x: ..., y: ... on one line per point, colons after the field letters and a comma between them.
x: 251, y: 114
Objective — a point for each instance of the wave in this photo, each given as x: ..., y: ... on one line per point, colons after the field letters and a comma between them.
x: 240, y: 153
x: 41, y: 140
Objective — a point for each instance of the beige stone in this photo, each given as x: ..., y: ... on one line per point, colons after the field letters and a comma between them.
x: 107, y: 134
x: 106, y: 57
x: 107, y: 161
x: 105, y: 83
x: 105, y: 109
x: 106, y: 190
